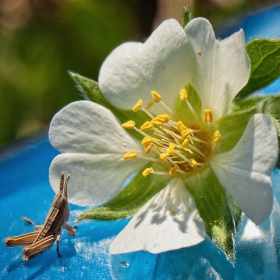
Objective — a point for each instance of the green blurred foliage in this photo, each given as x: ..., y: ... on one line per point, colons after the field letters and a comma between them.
x: 41, y: 40
x: 35, y: 57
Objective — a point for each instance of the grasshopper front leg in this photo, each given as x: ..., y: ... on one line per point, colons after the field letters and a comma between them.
x: 21, y: 240
x: 38, y: 247
x: 71, y: 230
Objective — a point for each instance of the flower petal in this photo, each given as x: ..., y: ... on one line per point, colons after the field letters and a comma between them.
x: 222, y: 68
x: 245, y: 170
x: 95, y: 179
x: 167, y: 222
x: 86, y: 127
x: 162, y: 64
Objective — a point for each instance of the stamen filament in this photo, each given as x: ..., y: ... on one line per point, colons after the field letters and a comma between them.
x: 196, y: 150
x: 181, y: 156
x: 166, y: 107
x: 192, y: 110
x: 140, y: 131
x: 197, y: 140
x: 147, y: 112
x: 172, y: 133
x: 161, y: 173
x: 149, y: 158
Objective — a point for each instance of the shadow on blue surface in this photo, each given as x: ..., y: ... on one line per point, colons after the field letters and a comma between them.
x: 25, y: 192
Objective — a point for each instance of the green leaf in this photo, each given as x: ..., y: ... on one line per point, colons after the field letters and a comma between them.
x: 269, y: 105
x: 90, y: 90
x: 187, y: 15
x: 265, y: 64
x: 131, y: 198
x: 233, y: 125
x: 213, y: 206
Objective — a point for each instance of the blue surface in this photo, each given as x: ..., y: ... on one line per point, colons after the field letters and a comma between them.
x: 25, y: 192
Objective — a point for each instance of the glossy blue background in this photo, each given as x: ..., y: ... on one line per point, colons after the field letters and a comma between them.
x: 25, y: 192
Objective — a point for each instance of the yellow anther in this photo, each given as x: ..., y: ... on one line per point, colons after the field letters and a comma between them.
x: 137, y: 106
x: 208, y: 116
x: 192, y: 162
x: 199, y: 53
x: 163, y: 118
x: 216, y: 137
x: 160, y: 119
x: 156, y: 96
x: 148, y: 148
x: 164, y: 156
x: 169, y: 152
x: 146, y: 126
x: 147, y: 171
x: 183, y: 94
x: 172, y: 170
x: 147, y: 140
x: 156, y: 121
x: 130, y: 154
x: 181, y: 127
x: 185, y: 143
x: 149, y: 106
x: 128, y: 125
x: 185, y: 133
x: 171, y: 149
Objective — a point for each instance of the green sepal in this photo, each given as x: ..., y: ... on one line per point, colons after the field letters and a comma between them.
x: 232, y: 127
x: 213, y: 206
x: 187, y: 15
x: 265, y: 64
x: 183, y: 112
x: 90, y: 90
x: 131, y: 198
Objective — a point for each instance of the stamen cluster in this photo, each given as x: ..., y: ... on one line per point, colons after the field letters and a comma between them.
x: 183, y: 149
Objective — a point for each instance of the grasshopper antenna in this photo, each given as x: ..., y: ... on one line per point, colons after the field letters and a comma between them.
x: 65, y: 185
x: 61, y: 181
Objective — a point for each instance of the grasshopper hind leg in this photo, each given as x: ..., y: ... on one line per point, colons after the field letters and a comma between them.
x: 38, y: 247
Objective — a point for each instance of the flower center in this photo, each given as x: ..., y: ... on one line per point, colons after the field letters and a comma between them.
x: 182, y: 148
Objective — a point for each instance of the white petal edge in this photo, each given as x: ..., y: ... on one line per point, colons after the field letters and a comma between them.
x: 245, y: 170
x: 86, y: 127
x: 162, y: 64
x: 95, y: 179
x: 222, y: 69
x: 156, y: 228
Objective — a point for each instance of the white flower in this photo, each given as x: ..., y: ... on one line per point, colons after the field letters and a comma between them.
x: 93, y: 143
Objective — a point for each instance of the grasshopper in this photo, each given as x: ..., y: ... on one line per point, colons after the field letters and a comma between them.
x: 44, y: 236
